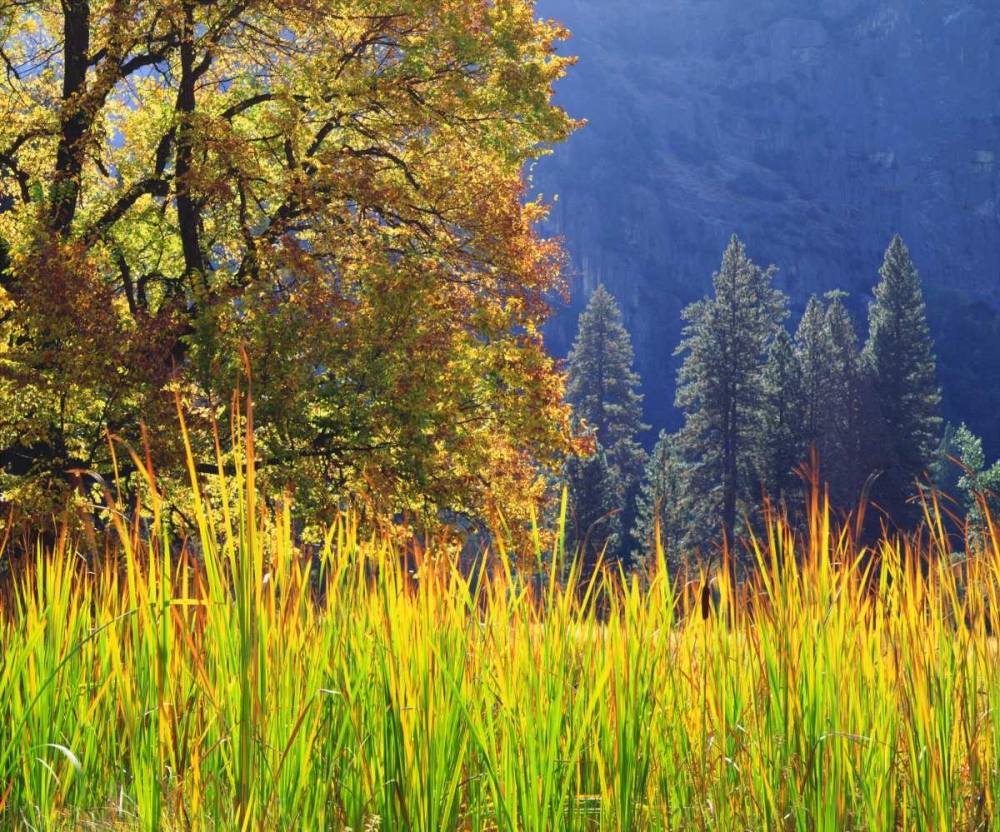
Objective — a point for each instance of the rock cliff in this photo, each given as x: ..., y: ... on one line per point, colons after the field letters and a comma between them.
x: 816, y: 129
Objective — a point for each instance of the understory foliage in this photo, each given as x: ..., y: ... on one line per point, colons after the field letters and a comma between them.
x: 235, y: 680
x: 960, y: 471
x: 664, y: 506
x: 334, y: 186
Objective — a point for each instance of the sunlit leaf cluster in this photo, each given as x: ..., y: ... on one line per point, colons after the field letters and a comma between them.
x: 334, y: 186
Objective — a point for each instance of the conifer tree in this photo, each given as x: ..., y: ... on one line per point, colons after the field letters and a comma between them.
x: 946, y: 469
x: 603, y: 389
x: 810, y: 351
x: 843, y: 406
x: 946, y: 473
x: 594, y: 522
x: 900, y: 354
x: 959, y: 472
x: 784, y: 445
x: 664, y: 503
x: 720, y: 384
x: 838, y: 410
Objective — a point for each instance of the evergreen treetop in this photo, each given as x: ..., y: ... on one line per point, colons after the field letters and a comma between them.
x: 900, y: 354
x: 720, y: 383
x: 603, y: 388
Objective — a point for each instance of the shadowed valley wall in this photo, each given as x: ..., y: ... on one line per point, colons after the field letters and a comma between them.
x: 815, y: 129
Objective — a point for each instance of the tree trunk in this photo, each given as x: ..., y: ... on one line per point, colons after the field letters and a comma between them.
x: 75, y: 119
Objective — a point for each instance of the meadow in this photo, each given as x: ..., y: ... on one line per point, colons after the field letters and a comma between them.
x: 239, y: 680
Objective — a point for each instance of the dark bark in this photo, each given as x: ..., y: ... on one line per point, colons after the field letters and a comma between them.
x: 187, y: 209
x: 75, y: 119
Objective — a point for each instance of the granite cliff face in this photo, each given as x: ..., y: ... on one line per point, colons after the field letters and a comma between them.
x: 816, y: 129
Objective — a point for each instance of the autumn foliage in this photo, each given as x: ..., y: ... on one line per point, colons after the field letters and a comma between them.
x: 335, y: 186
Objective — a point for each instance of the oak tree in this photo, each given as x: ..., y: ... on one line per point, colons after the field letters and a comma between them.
x: 333, y: 185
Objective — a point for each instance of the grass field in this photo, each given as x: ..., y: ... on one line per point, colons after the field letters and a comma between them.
x: 252, y: 686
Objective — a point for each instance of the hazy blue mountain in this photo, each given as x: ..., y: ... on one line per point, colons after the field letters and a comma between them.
x: 816, y: 129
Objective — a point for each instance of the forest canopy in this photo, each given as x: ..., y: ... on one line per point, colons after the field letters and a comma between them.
x: 335, y: 186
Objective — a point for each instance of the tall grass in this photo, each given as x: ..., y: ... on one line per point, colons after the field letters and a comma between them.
x: 239, y: 682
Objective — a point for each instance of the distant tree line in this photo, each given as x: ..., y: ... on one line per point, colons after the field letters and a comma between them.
x: 760, y: 402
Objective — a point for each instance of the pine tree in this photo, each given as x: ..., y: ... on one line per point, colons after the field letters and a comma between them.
x: 946, y: 469
x: 628, y: 460
x: 594, y: 524
x: 784, y: 447
x: 810, y: 351
x: 720, y: 384
x: 843, y: 406
x: 664, y: 500
x: 838, y: 399
x: 900, y: 354
x: 959, y: 472
x: 603, y: 389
